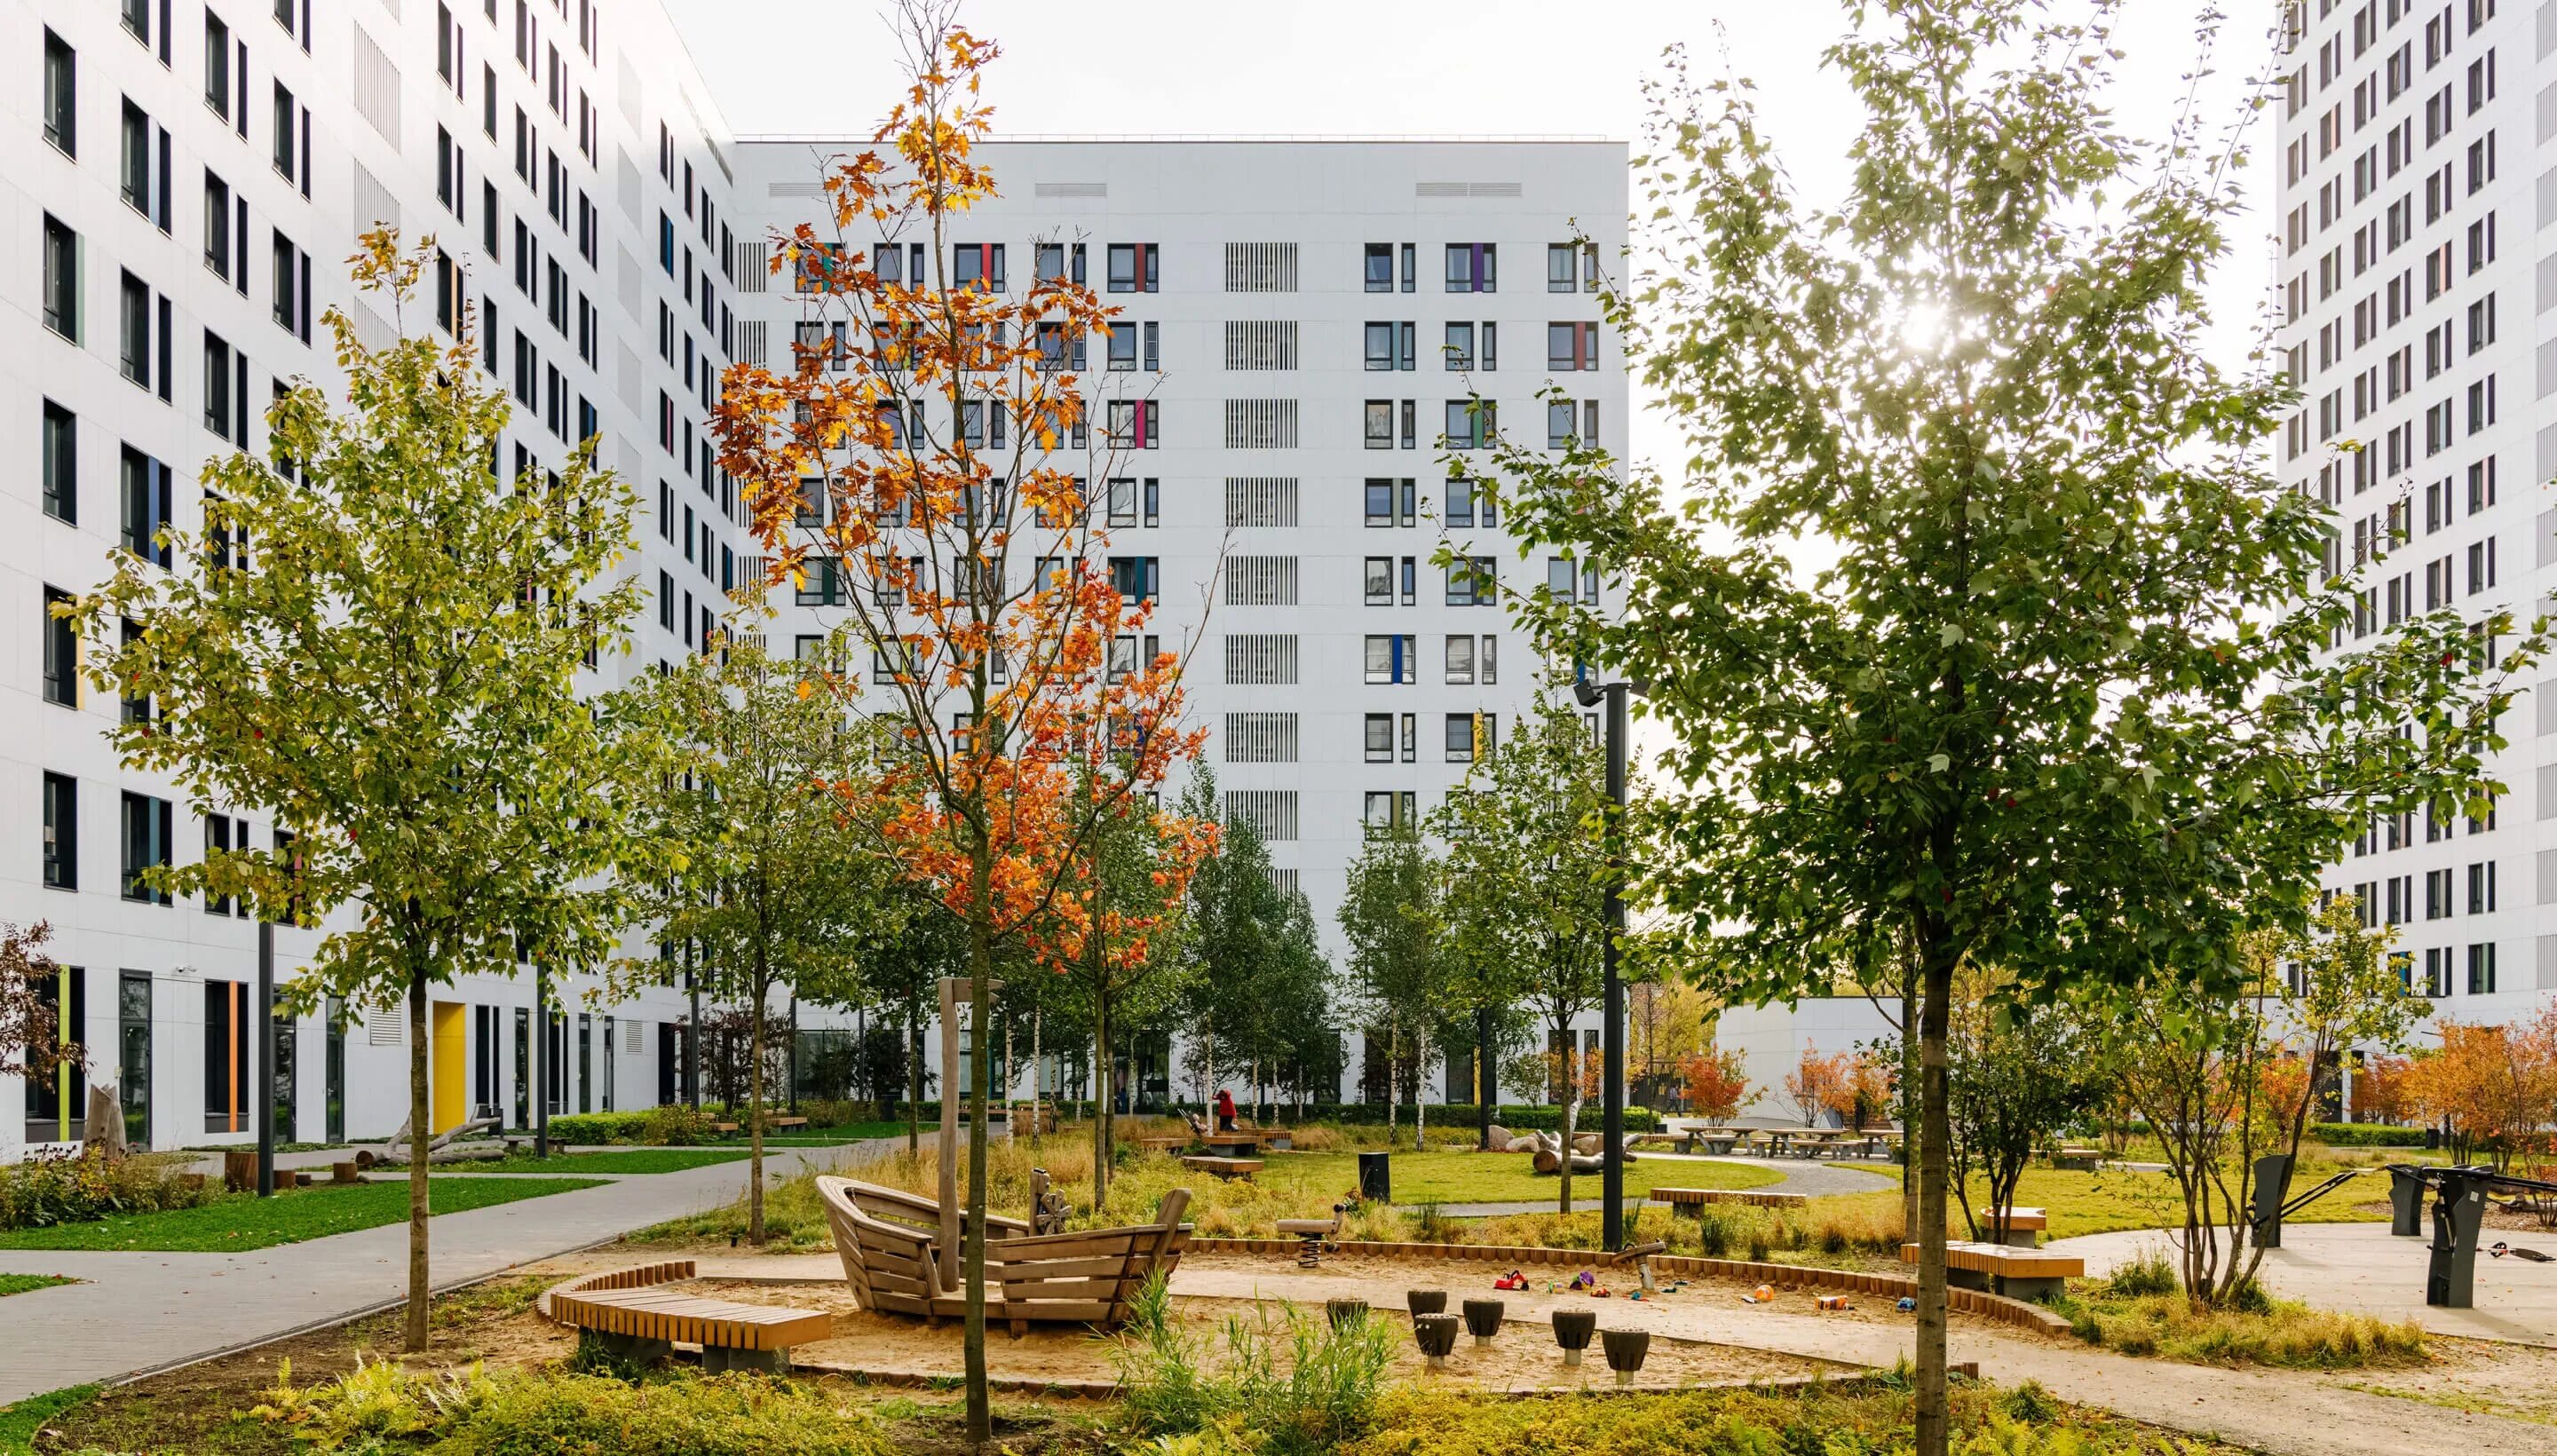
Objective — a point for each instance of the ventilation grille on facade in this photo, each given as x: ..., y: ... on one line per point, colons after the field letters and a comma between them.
x: 1260, y: 738
x: 393, y: 6
x: 372, y: 330
x: 629, y: 96
x: 625, y: 186
x: 1070, y: 190
x: 754, y: 267
x: 1286, y: 880
x: 1260, y: 501
x: 1467, y: 189
x: 751, y: 339
x: 1261, y: 424
x: 797, y: 190
x: 374, y: 204
x: 378, y: 87
x: 1261, y: 581
x: 631, y: 1037
x: 1260, y: 659
x: 1271, y: 811
x: 383, y: 1027
x: 1259, y: 343
x: 1259, y: 267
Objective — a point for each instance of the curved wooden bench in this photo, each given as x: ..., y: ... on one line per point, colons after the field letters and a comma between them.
x: 629, y: 1314
x: 1692, y: 1200
x: 1224, y: 1167
x: 1079, y: 1279
x: 2018, y: 1274
x: 2024, y: 1225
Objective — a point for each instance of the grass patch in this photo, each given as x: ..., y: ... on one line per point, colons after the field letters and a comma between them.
x: 2141, y: 1310
x: 21, y: 1284
x: 245, y: 1221
x: 19, y: 1423
x: 635, y: 1160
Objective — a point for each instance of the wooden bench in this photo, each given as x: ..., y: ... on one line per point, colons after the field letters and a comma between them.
x: 1224, y: 1167
x: 1690, y: 1202
x: 1173, y: 1144
x: 725, y: 1129
x: 2018, y: 1274
x: 890, y: 1259
x: 631, y: 1314
x: 2078, y: 1160
x: 1231, y: 1144
x: 2024, y: 1225
x: 780, y: 1125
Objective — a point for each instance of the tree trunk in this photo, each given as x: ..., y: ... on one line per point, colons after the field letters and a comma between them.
x: 1570, y: 1119
x: 981, y: 961
x: 754, y: 1103
x: 1105, y: 1069
x: 1934, y: 1012
x: 1393, y: 1077
x: 1419, y: 1101
x: 419, y: 1138
x: 1908, y: 1082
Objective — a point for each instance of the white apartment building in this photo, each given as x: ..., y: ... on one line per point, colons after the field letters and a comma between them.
x: 1303, y: 323
x: 192, y: 175
x: 189, y: 177
x: 2417, y: 177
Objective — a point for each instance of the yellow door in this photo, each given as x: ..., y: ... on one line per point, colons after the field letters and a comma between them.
x: 447, y: 1046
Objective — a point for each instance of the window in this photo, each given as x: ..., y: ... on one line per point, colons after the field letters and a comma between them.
x: 1391, y: 659
x: 1571, y: 346
x: 2481, y: 887
x: 1473, y: 268
x: 2480, y: 565
x: 133, y: 330
x: 62, y: 831
x: 1378, y: 576
x: 1461, y: 660
x: 1380, y: 737
x: 284, y: 113
x: 1391, y: 808
x: 290, y: 271
x: 977, y: 265
x: 2481, y: 969
x: 137, y: 20
x: 61, y: 651
x: 61, y: 95
x: 220, y: 362
x: 1473, y: 580
x: 1471, y: 736
x: 1390, y: 501
x: 61, y: 279
x: 218, y: 227
x: 1380, y: 424
x: 1122, y: 347
x: 1136, y: 268
x: 1562, y: 578
x: 1135, y: 423
x: 144, y: 487
x: 1467, y: 500
x: 1562, y: 268
x: 1471, y: 423
x: 1136, y: 577
x: 1132, y: 501
x: 1380, y: 267
x: 1057, y: 263
x: 2437, y: 893
x: 62, y: 463
x: 1568, y: 423
x: 148, y: 823
x: 218, y: 66
x: 1389, y: 346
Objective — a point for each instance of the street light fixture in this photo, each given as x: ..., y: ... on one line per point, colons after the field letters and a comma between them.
x: 1611, y: 1125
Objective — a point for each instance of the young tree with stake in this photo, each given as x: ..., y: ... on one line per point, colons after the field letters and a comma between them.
x: 385, y: 646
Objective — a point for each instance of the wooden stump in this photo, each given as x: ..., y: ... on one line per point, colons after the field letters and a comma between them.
x: 342, y: 1172
x: 239, y: 1172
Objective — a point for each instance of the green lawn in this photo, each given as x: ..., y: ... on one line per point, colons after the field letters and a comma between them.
x: 19, y: 1423
x: 635, y: 1161
x: 242, y: 1222
x: 21, y: 1284
x: 1495, y: 1177
x: 2110, y: 1200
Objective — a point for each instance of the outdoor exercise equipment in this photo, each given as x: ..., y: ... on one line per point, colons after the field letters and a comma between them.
x: 2459, y: 1209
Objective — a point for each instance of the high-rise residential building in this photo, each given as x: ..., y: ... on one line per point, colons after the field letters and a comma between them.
x: 190, y: 178
x: 2413, y: 293
x: 193, y: 176
x: 1302, y: 329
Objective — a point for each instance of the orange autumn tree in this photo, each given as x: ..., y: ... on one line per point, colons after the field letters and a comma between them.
x: 1817, y: 1082
x: 1716, y: 1083
x: 922, y: 472
x: 2382, y: 1090
x: 2497, y: 1085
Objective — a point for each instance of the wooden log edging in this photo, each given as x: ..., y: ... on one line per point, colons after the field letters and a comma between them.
x: 2016, y: 1312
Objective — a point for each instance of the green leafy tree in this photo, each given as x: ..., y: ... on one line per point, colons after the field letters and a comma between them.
x: 2057, y: 696
x: 775, y: 891
x: 1258, y: 978
x: 2016, y: 1075
x: 1131, y: 963
x: 1390, y: 912
x: 380, y: 642
x: 1525, y: 875
x: 904, y: 975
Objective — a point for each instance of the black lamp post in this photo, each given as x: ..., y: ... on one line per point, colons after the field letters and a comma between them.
x: 1611, y: 1150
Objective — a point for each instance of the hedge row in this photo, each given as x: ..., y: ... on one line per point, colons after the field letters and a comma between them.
x: 2365, y: 1134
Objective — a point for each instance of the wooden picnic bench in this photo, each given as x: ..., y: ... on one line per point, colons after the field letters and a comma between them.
x: 1690, y: 1202
x: 2077, y: 1159
x: 1231, y: 1144
x: 1224, y: 1167
x: 886, y: 1240
x: 632, y: 1314
x: 2024, y: 1225
x: 2018, y: 1274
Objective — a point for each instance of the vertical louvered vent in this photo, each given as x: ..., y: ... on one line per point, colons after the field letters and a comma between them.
x: 1260, y: 267
x: 374, y: 204
x: 1260, y: 659
x: 1261, y: 581
x: 1259, y: 343
x: 1261, y: 424
x: 378, y: 87
x: 754, y: 267
x: 750, y: 337
x: 1260, y: 738
x: 1271, y: 811
x: 1286, y: 880
x: 1260, y: 501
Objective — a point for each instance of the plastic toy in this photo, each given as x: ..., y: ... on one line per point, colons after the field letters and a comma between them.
x: 1511, y: 1280
x: 1835, y: 1302
x: 1906, y: 1305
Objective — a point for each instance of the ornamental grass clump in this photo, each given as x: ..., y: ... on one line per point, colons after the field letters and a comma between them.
x: 64, y: 1187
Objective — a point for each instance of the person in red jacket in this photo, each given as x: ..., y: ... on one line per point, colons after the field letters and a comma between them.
x: 1223, y: 1111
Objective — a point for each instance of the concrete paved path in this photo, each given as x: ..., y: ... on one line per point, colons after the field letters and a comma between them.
x: 1803, y: 1176
x: 2364, y: 1270
x: 139, y: 1312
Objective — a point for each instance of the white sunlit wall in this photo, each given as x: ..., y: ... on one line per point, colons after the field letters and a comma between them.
x: 1298, y: 314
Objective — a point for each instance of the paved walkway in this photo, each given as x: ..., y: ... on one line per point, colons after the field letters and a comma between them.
x: 2364, y: 1270
x: 140, y: 1312
x: 1803, y: 1176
